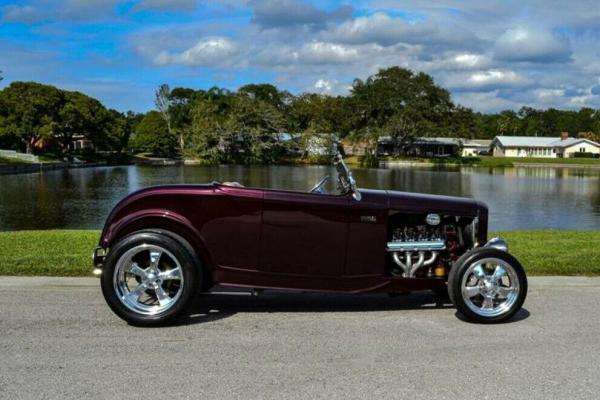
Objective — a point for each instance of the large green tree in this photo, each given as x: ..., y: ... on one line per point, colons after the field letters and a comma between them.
x: 81, y: 115
x: 152, y: 135
x: 28, y: 112
x: 401, y: 104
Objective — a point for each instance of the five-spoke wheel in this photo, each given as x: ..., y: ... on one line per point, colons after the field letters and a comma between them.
x: 487, y: 285
x: 149, y: 277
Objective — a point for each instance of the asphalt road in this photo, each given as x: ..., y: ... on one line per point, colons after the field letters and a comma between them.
x: 58, y: 340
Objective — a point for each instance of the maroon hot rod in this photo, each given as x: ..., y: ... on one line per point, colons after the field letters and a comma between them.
x: 161, y: 245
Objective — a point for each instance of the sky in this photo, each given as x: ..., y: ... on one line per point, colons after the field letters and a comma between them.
x: 491, y: 55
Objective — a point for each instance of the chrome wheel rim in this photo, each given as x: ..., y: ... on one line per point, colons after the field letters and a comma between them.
x: 148, y: 279
x: 490, y: 287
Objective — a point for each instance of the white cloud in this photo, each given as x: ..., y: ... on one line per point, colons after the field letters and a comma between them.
x: 381, y: 29
x: 328, y: 53
x: 534, y: 45
x: 329, y: 86
x: 496, y: 77
x: 215, y: 51
x: 166, y: 5
x: 27, y: 14
x: 290, y: 13
x: 490, y: 55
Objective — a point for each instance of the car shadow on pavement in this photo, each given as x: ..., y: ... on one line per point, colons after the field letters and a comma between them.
x: 218, y: 305
x: 521, y: 315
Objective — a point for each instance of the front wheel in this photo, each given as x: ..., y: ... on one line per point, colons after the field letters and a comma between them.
x: 149, y: 278
x: 487, y: 285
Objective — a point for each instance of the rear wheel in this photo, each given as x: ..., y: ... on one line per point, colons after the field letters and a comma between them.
x: 149, y: 278
x: 487, y: 285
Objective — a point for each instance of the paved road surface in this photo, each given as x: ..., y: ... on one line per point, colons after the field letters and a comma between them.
x: 58, y: 340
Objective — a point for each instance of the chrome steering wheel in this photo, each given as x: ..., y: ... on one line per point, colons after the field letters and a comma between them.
x: 318, y: 188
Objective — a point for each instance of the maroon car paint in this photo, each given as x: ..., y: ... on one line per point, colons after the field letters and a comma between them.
x: 262, y: 238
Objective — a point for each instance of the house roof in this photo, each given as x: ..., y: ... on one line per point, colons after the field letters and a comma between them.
x: 445, y: 141
x: 537, y: 141
x: 481, y: 142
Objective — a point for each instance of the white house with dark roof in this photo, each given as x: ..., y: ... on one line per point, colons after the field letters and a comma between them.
x: 543, y: 147
x: 438, y: 146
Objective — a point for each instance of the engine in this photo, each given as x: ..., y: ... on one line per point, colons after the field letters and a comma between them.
x: 426, y: 245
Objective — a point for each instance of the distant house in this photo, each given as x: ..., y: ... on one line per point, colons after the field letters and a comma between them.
x: 474, y: 147
x: 80, y: 142
x: 437, y: 147
x: 543, y: 147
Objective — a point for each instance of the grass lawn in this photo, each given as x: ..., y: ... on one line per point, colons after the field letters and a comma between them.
x: 488, y: 161
x: 10, y: 160
x: 68, y: 252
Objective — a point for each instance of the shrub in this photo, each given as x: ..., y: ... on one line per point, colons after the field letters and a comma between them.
x: 584, y: 155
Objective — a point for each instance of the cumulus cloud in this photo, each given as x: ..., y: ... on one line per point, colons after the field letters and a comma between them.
x: 386, y: 30
x: 486, y: 80
x: 496, y: 78
x: 534, y: 45
x: 215, y: 51
x: 64, y: 10
x: 166, y: 5
x: 490, y: 55
x: 319, y: 53
x: 329, y: 86
x: 382, y: 29
x: 287, y: 13
x: 26, y: 14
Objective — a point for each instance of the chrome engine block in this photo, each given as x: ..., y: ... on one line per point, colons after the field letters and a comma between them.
x: 415, y: 246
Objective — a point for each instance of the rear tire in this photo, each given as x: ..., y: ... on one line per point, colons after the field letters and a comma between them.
x: 487, y: 285
x: 149, y: 278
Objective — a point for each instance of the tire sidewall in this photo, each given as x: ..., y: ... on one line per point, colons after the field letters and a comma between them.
x: 461, y: 266
x: 178, y: 250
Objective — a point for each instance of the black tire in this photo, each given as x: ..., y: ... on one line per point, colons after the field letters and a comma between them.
x: 462, y: 266
x: 179, y: 249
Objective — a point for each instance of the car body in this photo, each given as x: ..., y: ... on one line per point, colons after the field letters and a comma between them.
x: 356, y: 241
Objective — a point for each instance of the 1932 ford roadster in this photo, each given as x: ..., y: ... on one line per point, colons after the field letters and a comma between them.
x: 161, y: 245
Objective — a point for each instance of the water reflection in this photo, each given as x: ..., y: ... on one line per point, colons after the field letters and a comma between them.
x: 519, y: 198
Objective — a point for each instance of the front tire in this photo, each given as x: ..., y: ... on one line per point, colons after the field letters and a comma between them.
x: 149, y: 278
x: 487, y: 285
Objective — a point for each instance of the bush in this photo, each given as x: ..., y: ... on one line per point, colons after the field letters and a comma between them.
x: 584, y: 155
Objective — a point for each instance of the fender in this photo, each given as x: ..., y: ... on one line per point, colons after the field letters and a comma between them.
x: 158, y: 219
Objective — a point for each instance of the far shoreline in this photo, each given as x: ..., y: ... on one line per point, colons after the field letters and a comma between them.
x: 353, y: 161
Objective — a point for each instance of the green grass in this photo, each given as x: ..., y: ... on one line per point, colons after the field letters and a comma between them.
x: 12, y: 161
x: 53, y: 252
x: 67, y: 252
x: 488, y: 161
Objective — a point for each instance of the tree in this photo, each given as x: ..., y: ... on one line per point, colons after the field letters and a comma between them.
x: 267, y: 93
x: 162, y: 101
x: 209, y: 140
x: 83, y: 115
x: 508, y: 123
x: 399, y: 103
x: 120, y: 129
x: 28, y: 112
x: 317, y: 113
x: 463, y: 123
x: 152, y: 135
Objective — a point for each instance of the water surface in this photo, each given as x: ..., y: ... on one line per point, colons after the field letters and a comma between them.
x: 519, y: 198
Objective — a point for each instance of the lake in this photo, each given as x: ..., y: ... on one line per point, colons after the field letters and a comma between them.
x: 518, y: 198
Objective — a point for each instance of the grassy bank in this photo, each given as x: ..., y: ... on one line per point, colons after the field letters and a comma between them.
x: 67, y: 252
x: 496, y: 162
x: 511, y: 161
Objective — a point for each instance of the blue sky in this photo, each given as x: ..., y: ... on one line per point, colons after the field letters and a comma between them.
x: 490, y: 55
